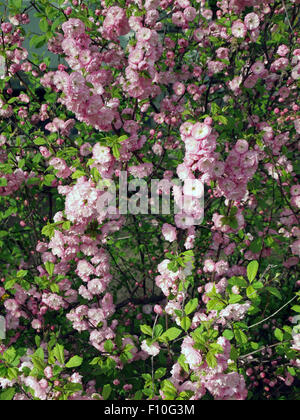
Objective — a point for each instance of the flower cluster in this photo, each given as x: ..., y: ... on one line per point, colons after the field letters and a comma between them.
x: 196, y: 304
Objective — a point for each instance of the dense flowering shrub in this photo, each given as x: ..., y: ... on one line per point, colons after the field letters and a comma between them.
x: 100, y: 303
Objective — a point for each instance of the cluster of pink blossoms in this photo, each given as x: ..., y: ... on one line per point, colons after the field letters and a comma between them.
x: 84, y: 95
x: 13, y: 182
x: 223, y: 386
x: 232, y: 175
x: 141, y: 60
x: 43, y: 389
x: 93, y: 270
x: 115, y: 24
x: 16, y: 54
x: 86, y: 91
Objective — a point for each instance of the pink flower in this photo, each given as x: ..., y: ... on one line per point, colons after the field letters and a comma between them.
x: 96, y: 286
x: 3, y: 140
x: 201, y: 131
x: 241, y: 146
x: 192, y: 356
x: 283, y: 50
x: 85, y: 149
x: 235, y: 312
x: 152, y: 349
x: 183, y: 221
x: 6, y: 27
x: 179, y: 88
x: 209, y: 266
x: 193, y: 188
x: 252, y: 21
x: 141, y: 171
x: 296, y: 342
x: 295, y: 248
x: 169, y: 232
x: 101, y: 154
x: 36, y: 324
x: 73, y: 28
x: 238, y: 29
x: 258, y: 68
x: 295, y: 190
x: 115, y: 23
x: 48, y: 372
x: 190, y: 13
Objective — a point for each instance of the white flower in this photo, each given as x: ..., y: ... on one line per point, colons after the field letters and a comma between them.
x: 152, y: 350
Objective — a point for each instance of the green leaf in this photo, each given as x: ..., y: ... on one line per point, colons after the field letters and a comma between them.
x: 222, y: 119
x: 252, y: 270
x: 72, y: 388
x: 59, y: 353
x: 258, y: 285
x: 48, y: 180
x: 138, y: 396
x: 169, y: 390
x: 38, y: 41
x: 40, y: 353
x: 173, y: 266
x: 240, y: 336
x: 44, y: 25
x: 171, y: 334
x: 10, y: 355
x: 146, y: 330
x: 66, y: 225
x: 7, y: 394
x: 106, y: 391
x: 256, y: 246
x: 22, y: 273
x: 3, y: 182
x: 37, y: 340
x: 233, y: 222
x: 160, y: 373
x: 12, y: 373
x: 75, y: 361
x: 123, y: 138
x: 78, y: 174
x: 38, y: 363
x: 279, y: 334
x: 185, y: 323
x: 40, y: 141
x: 229, y: 334
x: 251, y: 292
x: 54, y: 288
x: 238, y: 281
x: 50, y: 268
x: 9, y: 284
x: 108, y: 346
x: 191, y: 306
x: 48, y: 230
x: 215, y: 305
x: 95, y: 361
x: 235, y: 299
x: 275, y: 292
x: 183, y: 364
x: 214, y: 108
x: 296, y: 308
x: 158, y: 330
x: 116, y: 151
x: 95, y: 174
x: 15, y: 4
x: 211, y: 359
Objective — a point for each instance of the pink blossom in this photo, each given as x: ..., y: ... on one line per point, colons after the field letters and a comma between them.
x: 252, y: 21
x: 169, y: 232
x: 239, y: 30
x: 152, y: 350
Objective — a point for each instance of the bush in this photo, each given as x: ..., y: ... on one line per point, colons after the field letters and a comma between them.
x: 103, y: 295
